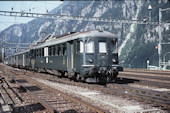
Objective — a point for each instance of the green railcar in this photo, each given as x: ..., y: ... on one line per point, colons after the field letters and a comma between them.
x: 83, y: 56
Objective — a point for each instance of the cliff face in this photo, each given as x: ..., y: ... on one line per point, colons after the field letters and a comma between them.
x: 129, y: 9
x: 141, y: 44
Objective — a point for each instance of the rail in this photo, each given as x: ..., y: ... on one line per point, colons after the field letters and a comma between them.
x: 142, y: 94
x: 48, y: 107
x: 98, y: 110
x: 92, y: 107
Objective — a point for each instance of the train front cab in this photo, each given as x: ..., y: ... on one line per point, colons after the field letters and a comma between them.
x: 98, y: 59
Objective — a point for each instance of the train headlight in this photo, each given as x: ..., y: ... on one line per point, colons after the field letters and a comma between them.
x: 114, y: 61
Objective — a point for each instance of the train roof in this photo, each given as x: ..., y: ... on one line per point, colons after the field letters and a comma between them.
x: 19, y: 53
x: 73, y: 36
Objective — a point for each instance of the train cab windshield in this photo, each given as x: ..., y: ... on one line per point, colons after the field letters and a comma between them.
x: 102, y: 47
x: 89, y: 47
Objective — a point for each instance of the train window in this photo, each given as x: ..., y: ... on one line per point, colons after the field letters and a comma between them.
x: 80, y: 47
x: 102, y: 47
x: 54, y: 49
x: 37, y: 53
x: 64, y: 49
x: 90, y: 47
x: 49, y: 51
x: 46, y: 51
x: 58, y: 50
x: 33, y: 53
x: 27, y: 55
x: 42, y: 52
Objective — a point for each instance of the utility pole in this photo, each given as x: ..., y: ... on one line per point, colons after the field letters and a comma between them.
x: 160, y: 37
x: 3, y: 49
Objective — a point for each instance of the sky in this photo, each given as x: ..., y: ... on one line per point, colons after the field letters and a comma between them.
x: 26, y: 6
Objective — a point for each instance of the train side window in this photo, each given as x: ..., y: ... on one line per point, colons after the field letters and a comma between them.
x: 42, y: 53
x: 54, y: 49
x: 102, y: 47
x: 64, y: 49
x: 37, y: 53
x: 80, y: 47
x: 33, y: 53
x: 27, y: 55
x: 58, y: 50
x: 46, y: 51
x: 49, y: 51
x: 90, y: 47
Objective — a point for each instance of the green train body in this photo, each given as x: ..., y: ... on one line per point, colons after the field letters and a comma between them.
x: 87, y: 56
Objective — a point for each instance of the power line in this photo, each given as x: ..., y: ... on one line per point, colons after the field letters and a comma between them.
x: 83, y: 18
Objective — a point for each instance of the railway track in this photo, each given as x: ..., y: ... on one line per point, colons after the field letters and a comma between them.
x: 53, y: 100
x: 157, y: 72
x: 155, y: 98
x: 159, y: 79
x: 17, y: 101
x: 152, y: 98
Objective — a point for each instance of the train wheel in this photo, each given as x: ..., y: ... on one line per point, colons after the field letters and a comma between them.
x: 38, y: 70
x: 66, y: 74
x: 79, y: 78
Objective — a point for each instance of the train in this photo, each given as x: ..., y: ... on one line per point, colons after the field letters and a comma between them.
x: 90, y: 56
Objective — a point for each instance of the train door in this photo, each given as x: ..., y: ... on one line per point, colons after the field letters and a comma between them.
x: 103, y: 57
x: 33, y: 55
x: 11, y: 61
x: 17, y: 60
x: 23, y: 57
x: 70, y: 56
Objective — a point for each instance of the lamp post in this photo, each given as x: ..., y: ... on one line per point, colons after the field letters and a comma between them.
x: 149, y: 8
